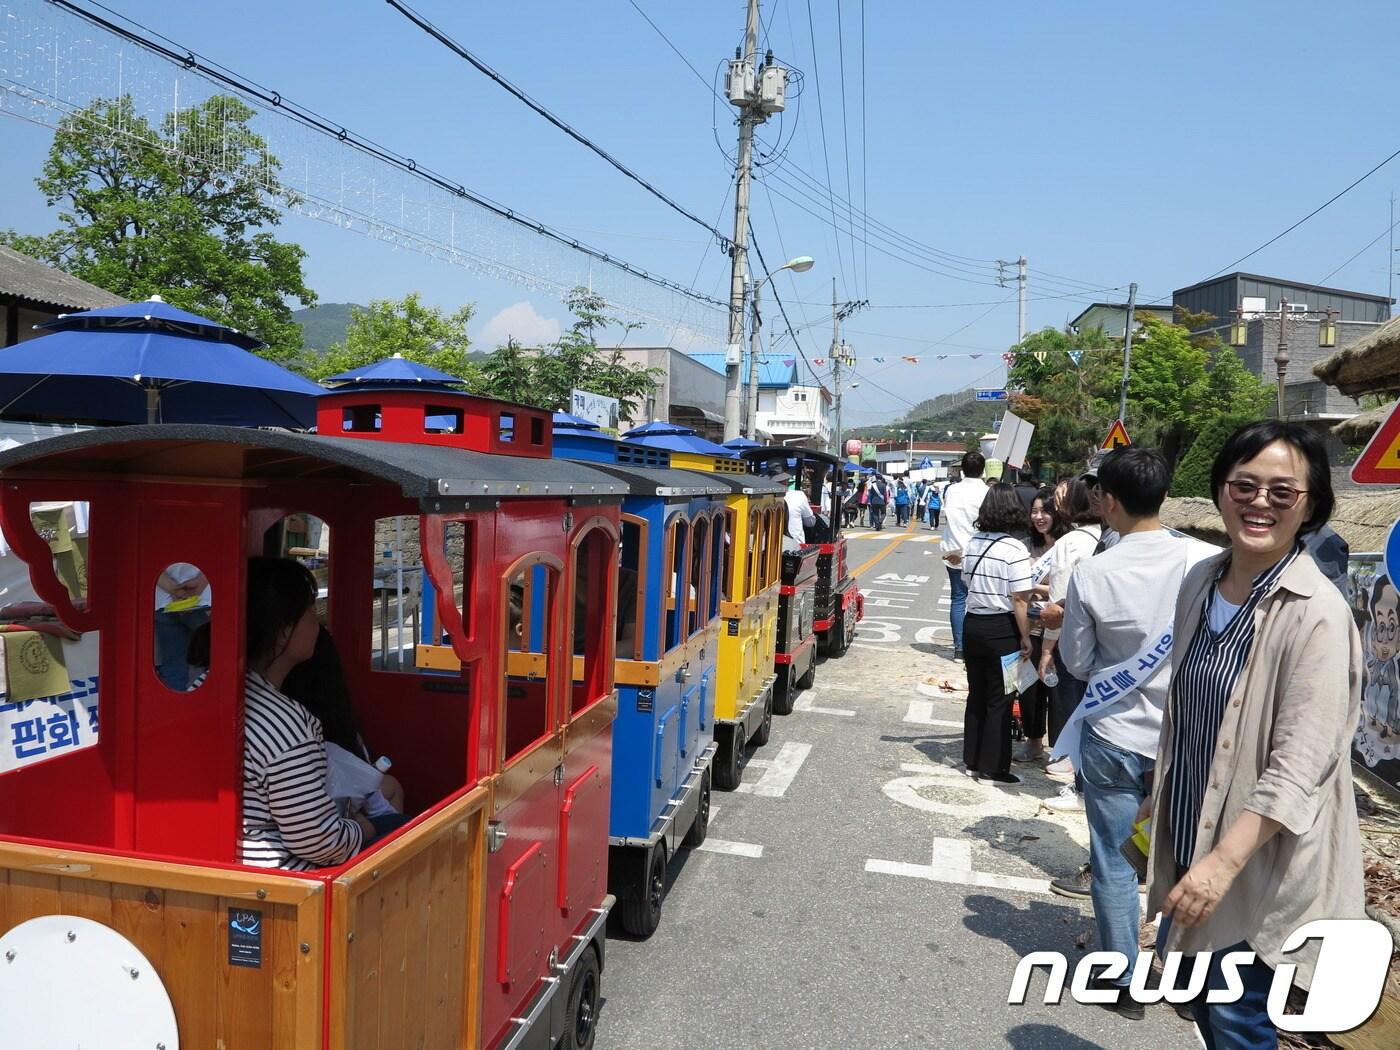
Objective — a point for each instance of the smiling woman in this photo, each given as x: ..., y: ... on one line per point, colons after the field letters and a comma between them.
x: 1254, y: 829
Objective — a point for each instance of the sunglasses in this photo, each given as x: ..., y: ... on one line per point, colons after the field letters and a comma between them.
x: 1281, y: 497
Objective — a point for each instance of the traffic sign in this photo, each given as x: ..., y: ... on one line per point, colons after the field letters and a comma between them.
x: 1379, y: 464
x: 991, y: 395
x: 1117, y: 436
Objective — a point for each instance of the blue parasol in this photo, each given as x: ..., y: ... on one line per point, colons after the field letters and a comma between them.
x: 675, y: 438
x: 396, y: 369
x: 150, y: 362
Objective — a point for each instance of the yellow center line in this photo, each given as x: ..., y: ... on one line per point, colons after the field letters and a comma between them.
x: 886, y: 549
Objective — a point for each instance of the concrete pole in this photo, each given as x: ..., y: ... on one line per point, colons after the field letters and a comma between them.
x: 1127, y: 352
x: 755, y: 346
x: 836, y: 368
x: 1281, y: 353
x: 739, y: 262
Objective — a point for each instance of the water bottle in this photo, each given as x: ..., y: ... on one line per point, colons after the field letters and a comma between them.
x: 1051, y: 678
x: 383, y: 764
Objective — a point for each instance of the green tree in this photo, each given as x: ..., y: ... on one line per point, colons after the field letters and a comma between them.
x: 547, y: 377
x: 180, y: 210
x: 1192, y: 477
x: 404, y: 327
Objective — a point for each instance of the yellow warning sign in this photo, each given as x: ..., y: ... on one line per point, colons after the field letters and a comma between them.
x: 1117, y: 436
x: 1379, y: 464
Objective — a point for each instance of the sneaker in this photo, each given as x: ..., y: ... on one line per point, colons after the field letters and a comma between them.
x: 1124, y: 1005
x: 1061, y: 768
x: 1007, y: 779
x: 1029, y: 753
x: 957, y: 654
x: 1067, y: 801
x: 1076, y: 885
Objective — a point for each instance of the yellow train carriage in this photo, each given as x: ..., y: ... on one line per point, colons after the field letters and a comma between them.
x: 754, y: 519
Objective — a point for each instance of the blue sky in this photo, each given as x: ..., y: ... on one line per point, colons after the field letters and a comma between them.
x: 1106, y: 142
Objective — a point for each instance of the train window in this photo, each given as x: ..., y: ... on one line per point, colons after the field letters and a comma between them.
x: 505, y: 427
x: 777, y: 520
x: 756, y: 582
x: 440, y: 420
x: 537, y: 431
x: 183, y: 604
x: 719, y: 560
x: 64, y: 527
x: 396, y: 596
x: 725, y: 538
x: 461, y: 545
x: 594, y: 572
x: 530, y: 613
x: 677, y: 583
x: 699, y: 614
x: 631, y: 589
x: 361, y: 419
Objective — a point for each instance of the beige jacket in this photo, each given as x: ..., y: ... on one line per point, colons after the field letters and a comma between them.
x: 1284, y: 752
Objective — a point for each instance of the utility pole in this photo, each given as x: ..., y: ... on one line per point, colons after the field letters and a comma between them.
x: 1021, y: 300
x: 1281, y: 353
x: 839, y: 312
x: 1390, y: 261
x: 749, y: 115
x: 1128, y: 327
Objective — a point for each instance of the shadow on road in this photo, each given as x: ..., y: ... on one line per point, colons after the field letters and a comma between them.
x: 1046, y: 1037
x: 1037, y: 926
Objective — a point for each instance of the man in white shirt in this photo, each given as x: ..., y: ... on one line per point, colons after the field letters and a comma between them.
x: 799, y: 513
x: 962, y: 501
x: 1119, y: 603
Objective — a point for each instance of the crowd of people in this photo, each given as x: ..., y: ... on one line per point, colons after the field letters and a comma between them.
x: 1202, y: 698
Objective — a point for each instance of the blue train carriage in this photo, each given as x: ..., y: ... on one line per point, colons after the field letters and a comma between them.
x: 669, y: 588
x: 754, y: 519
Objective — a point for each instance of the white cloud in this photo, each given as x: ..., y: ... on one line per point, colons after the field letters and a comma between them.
x: 520, y: 322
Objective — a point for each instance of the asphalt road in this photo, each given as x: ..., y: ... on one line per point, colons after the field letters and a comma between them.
x: 858, y: 891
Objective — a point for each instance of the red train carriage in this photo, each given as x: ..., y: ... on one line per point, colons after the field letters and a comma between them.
x: 479, y: 923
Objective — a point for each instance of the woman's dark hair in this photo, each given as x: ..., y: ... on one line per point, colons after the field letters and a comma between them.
x: 1003, y: 511
x: 1252, y: 438
x: 319, y: 685
x: 1045, y: 496
x: 279, y: 593
x: 1075, y: 508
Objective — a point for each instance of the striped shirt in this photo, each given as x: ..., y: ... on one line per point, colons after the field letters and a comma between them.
x: 289, y: 819
x: 1204, y: 681
x: 995, y: 566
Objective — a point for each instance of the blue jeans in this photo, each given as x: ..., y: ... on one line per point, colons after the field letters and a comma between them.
x: 1115, y: 783
x: 957, y: 612
x: 173, y: 634
x: 1244, y: 1025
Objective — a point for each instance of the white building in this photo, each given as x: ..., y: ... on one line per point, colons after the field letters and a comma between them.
x: 797, y: 415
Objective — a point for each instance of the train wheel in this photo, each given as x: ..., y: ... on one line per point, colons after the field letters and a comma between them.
x: 810, y: 678
x: 641, y: 912
x: 729, y: 764
x: 765, y: 728
x: 836, y: 637
x: 700, y: 826
x: 581, y: 1020
x: 782, y: 692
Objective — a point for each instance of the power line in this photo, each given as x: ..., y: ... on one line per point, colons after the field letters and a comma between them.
x: 845, y: 125
x: 172, y: 52
x: 826, y: 152
x: 457, y: 49
x: 864, y: 169
x: 1358, y: 255
x: 772, y: 287
x: 1331, y: 200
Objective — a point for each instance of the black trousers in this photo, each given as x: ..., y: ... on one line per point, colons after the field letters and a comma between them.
x: 1064, y: 698
x: 1035, y: 701
x: 987, y: 717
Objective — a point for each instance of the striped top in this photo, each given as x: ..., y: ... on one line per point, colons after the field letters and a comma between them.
x: 1205, y: 678
x: 289, y: 819
x: 995, y: 566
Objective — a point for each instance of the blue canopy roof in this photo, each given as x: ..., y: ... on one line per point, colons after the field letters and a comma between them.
x: 676, y: 438
x: 150, y: 362
x: 738, y: 443
x: 396, y: 369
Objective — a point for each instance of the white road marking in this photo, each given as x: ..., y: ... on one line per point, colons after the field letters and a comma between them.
x: 725, y: 846
x: 804, y: 703
x: 902, y: 604
x: 731, y: 849
x: 778, y: 771
x: 957, y: 795
x: 901, y: 579
x: 870, y: 645
x: 921, y: 713
x: 952, y: 863
x: 907, y: 619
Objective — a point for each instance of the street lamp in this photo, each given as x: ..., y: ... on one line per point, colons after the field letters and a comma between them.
x: 800, y: 264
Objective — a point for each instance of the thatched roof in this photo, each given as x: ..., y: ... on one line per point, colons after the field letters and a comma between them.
x: 1368, y: 366
x: 1358, y: 429
x: 26, y: 278
x: 1360, y: 518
